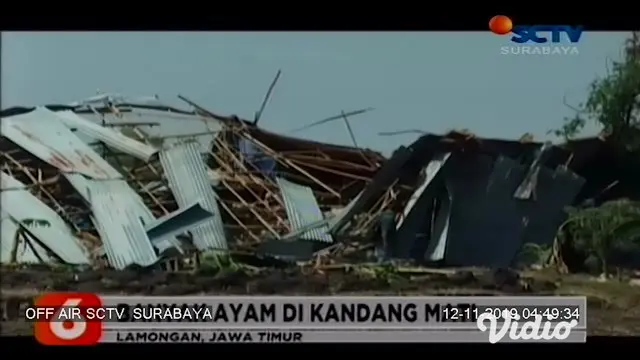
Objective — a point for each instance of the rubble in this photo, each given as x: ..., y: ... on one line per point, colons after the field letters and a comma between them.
x: 99, y: 184
x: 135, y: 202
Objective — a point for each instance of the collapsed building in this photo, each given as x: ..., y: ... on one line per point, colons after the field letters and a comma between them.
x: 98, y: 183
x: 134, y: 202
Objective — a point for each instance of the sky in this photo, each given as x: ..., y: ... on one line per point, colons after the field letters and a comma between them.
x: 432, y: 81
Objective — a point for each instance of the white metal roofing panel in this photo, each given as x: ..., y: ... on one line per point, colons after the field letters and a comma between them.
x: 132, y: 201
x: 189, y: 182
x: 81, y: 184
x: 120, y: 226
x: 171, y: 124
x: 27, y: 252
x: 44, y: 135
x: 302, y: 210
x: 110, y: 137
x: 431, y: 170
x: 27, y: 209
x: 115, y: 98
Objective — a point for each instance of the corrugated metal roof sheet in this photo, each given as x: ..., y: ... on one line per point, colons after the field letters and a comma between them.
x: 129, y: 199
x: 110, y: 137
x: 44, y: 135
x: 411, y: 227
x: 115, y: 98
x: 119, y: 221
x: 177, y: 222
x: 303, y: 210
x: 430, y: 171
x: 40, y: 220
x: 123, y: 242
x: 189, y: 182
x: 171, y: 124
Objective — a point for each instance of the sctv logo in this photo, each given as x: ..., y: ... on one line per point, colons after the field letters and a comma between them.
x: 537, y: 34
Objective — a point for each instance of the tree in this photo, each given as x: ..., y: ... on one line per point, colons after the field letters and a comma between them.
x: 598, y: 232
x: 613, y: 101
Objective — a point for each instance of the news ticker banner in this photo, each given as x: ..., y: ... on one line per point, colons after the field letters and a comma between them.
x: 303, y: 319
x: 316, y: 336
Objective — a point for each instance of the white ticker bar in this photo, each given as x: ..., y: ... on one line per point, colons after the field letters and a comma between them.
x: 328, y: 312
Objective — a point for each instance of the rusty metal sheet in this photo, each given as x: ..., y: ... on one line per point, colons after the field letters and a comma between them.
x: 43, y: 134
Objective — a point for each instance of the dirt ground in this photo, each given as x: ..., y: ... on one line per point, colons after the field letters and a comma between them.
x: 613, y: 306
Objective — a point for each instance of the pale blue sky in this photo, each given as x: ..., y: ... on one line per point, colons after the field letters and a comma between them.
x: 433, y: 81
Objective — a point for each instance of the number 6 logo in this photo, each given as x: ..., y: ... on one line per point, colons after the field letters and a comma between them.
x: 69, y: 332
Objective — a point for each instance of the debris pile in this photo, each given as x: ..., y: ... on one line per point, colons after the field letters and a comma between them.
x: 76, y: 189
x: 99, y: 184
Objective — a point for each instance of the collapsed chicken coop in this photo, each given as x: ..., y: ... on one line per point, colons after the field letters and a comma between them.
x: 100, y: 183
x: 477, y: 202
x: 94, y: 184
